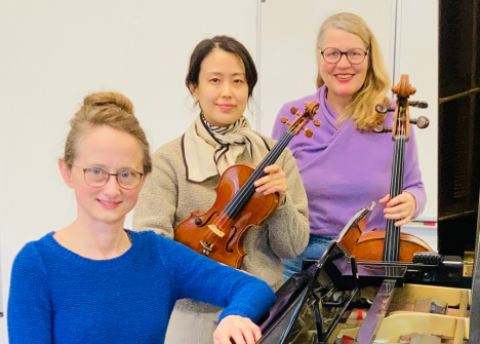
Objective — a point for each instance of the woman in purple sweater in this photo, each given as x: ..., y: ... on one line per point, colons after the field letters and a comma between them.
x: 345, y: 166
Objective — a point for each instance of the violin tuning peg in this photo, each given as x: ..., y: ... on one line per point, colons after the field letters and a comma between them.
x: 422, y: 122
x: 294, y: 110
x: 418, y: 104
x: 285, y: 120
x: 308, y: 132
x: 317, y: 123
x: 382, y: 108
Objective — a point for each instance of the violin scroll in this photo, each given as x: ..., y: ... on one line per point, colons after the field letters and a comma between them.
x: 311, y: 109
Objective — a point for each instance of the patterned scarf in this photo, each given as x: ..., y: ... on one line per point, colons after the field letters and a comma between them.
x: 209, y: 150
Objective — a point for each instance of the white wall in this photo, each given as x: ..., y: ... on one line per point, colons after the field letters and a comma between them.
x: 54, y: 52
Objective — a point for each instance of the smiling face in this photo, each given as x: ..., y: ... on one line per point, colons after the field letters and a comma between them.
x: 111, y: 150
x: 342, y: 79
x: 222, y: 90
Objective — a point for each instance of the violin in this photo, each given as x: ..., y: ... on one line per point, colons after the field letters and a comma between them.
x: 218, y: 233
x: 392, y: 245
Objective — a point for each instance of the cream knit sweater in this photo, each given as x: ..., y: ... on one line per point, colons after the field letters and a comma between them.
x: 168, y: 198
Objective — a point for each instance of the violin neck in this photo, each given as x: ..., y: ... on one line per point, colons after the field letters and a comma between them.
x: 392, y: 233
x: 241, y: 198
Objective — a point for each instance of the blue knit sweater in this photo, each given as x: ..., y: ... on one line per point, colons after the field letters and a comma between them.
x: 57, y: 296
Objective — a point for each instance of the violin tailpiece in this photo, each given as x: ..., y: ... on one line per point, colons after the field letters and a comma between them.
x: 207, y: 248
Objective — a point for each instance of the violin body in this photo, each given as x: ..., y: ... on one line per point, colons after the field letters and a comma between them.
x: 370, y: 246
x: 201, y: 229
x: 218, y: 234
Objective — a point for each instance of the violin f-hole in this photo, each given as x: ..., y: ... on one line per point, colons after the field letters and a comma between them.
x: 198, y: 221
x: 232, y: 235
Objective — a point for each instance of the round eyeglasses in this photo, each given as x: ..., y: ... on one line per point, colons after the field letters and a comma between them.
x: 354, y: 56
x: 97, y: 177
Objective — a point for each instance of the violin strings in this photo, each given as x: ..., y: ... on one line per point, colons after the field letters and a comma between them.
x: 240, y: 198
x: 248, y: 188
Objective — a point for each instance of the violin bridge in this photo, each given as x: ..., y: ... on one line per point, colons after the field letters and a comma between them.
x: 217, y: 231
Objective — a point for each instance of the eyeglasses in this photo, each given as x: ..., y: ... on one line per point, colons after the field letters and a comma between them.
x: 354, y: 56
x: 97, y: 177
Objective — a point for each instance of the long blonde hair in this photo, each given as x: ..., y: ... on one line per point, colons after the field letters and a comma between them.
x: 377, y: 81
x: 113, y: 110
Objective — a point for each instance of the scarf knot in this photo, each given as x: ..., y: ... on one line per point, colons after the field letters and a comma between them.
x: 209, y: 150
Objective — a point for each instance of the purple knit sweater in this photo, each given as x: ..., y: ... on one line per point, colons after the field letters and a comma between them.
x: 344, y: 170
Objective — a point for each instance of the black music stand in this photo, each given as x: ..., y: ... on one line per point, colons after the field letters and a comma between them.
x: 307, y: 294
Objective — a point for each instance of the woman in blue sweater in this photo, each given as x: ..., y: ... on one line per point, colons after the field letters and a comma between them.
x: 94, y: 281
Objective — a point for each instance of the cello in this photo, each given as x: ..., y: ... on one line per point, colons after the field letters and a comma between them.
x: 218, y: 233
x: 392, y: 245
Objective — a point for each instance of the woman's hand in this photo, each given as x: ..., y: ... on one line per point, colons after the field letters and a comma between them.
x: 274, y: 181
x: 400, y: 208
x: 241, y: 330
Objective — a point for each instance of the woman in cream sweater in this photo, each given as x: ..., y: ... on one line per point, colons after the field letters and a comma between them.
x: 221, y: 78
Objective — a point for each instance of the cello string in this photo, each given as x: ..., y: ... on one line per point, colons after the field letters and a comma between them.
x: 393, y: 233
x: 398, y: 177
x: 401, y: 167
x: 389, y: 234
x: 396, y: 232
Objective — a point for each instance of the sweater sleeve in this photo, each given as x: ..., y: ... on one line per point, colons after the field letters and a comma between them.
x: 157, y: 203
x: 202, y: 279
x: 289, y: 229
x: 412, y: 179
x: 29, y: 308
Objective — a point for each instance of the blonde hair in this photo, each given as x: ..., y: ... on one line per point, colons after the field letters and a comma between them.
x: 106, y: 109
x: 377, y: 81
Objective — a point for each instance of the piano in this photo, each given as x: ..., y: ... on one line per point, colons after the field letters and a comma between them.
x: 339, y: 300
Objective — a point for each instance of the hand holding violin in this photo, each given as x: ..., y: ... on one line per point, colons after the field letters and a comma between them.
x: 400, y: 208
x: 237, y: 328
x: 274, y: 181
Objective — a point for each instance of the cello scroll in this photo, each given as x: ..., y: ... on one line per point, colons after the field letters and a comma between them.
x: 402, y: 120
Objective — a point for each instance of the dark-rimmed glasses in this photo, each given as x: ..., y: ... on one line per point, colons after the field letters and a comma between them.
x: 354, y: 56
x: 97, y: 177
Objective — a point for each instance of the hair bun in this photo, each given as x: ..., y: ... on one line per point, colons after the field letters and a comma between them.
x: 109, y: 99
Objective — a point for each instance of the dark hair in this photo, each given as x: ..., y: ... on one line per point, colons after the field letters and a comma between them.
x: 226, y: 43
